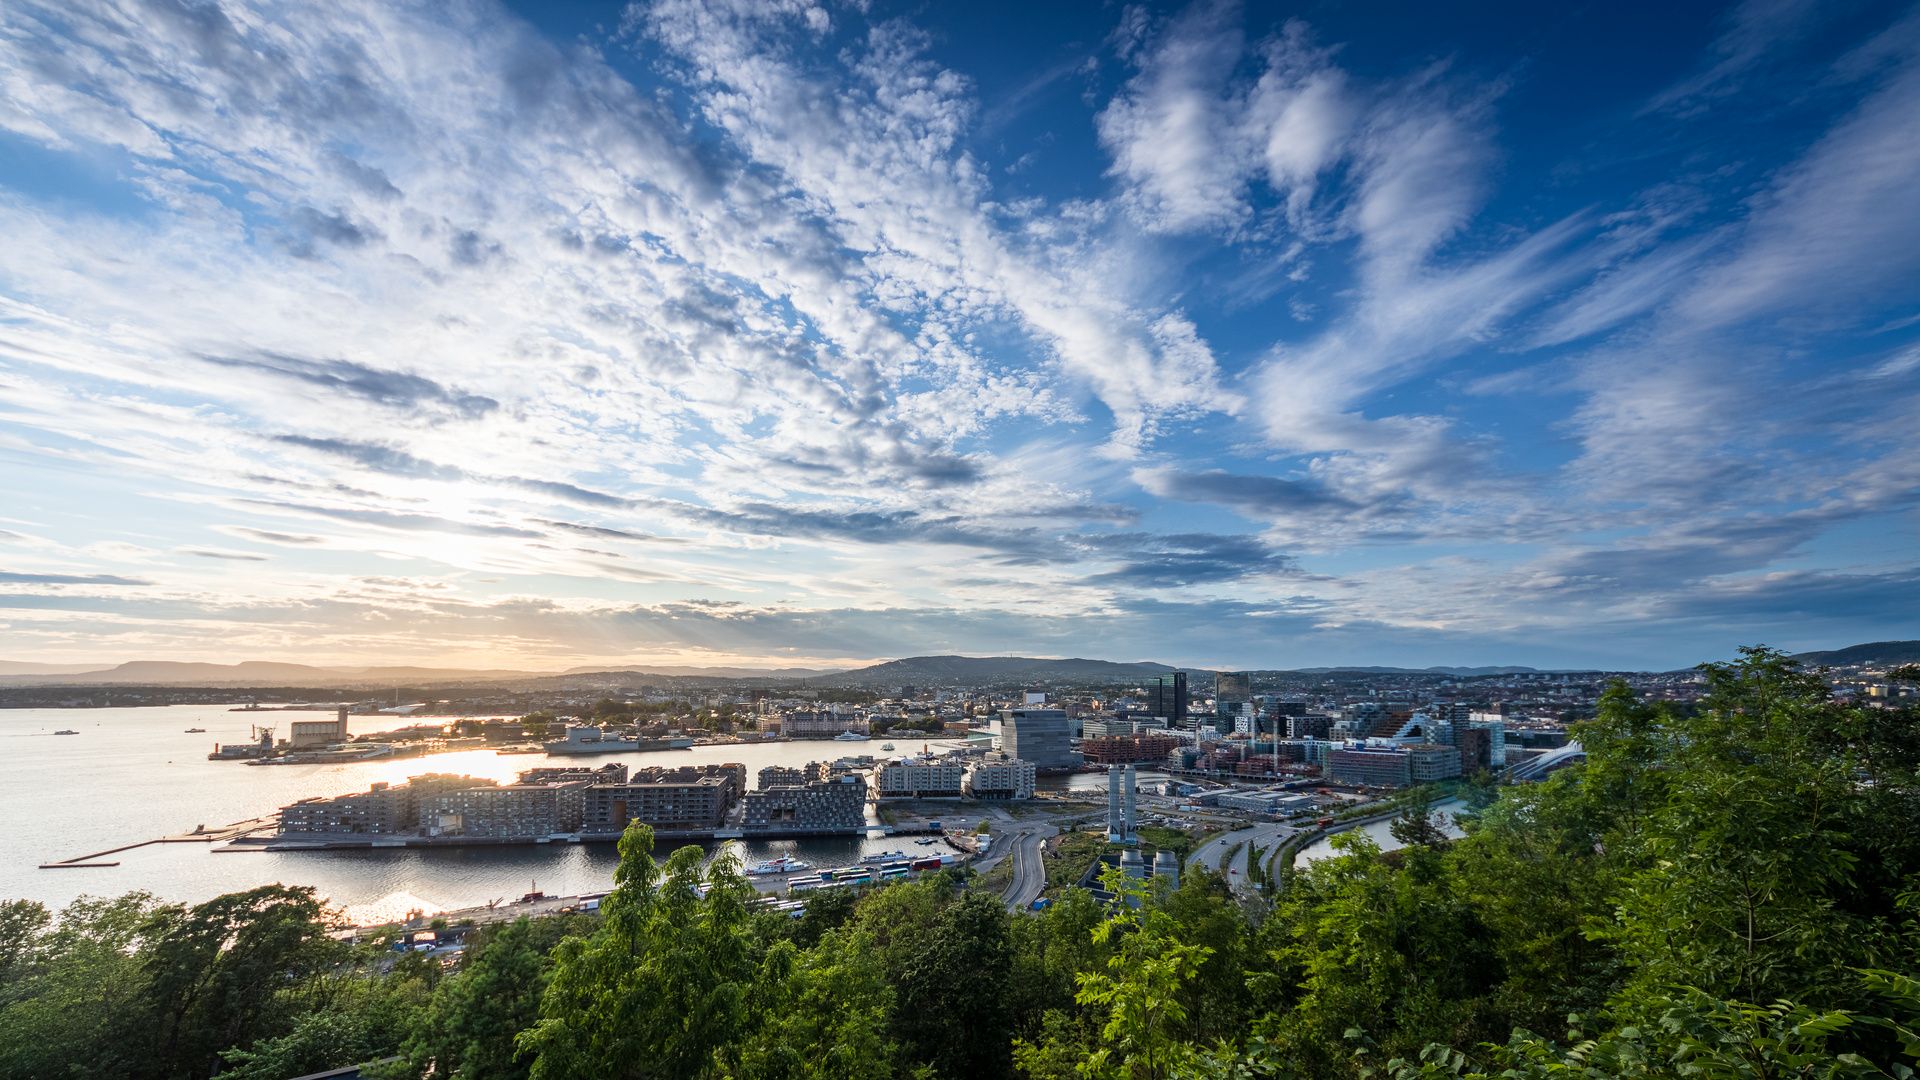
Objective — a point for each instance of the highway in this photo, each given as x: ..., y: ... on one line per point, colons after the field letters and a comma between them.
x: 1029, y: 864
x: 1265, y: 835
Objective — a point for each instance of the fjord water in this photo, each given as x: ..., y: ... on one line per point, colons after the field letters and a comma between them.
x: 134, y: 774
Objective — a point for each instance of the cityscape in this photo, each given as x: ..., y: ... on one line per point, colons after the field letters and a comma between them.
x: 883, y: 540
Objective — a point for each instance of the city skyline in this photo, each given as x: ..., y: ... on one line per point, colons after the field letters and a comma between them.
x: 688, y: 333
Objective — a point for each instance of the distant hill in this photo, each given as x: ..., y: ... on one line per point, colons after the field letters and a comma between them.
x: 706, y: 672
x: 975, y: 670
x: 1875, y: 653
x: 1423, y: 671
x: 25, y: 667
x: 272, y: 673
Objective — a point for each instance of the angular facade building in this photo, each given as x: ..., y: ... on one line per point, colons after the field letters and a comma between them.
x: 1041, y: 736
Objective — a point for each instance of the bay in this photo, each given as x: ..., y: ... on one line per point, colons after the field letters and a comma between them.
x: 134, y: 774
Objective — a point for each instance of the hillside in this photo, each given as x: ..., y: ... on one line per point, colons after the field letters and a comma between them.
x: 1002, y: 670
x: 1873, y: 653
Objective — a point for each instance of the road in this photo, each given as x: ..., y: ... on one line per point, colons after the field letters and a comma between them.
x: 1264, y: 835
x: 1029, y: 864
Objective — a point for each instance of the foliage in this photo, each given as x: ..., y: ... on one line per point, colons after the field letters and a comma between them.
x: 1727, y: 890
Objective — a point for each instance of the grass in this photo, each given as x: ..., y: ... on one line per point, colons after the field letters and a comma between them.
x: 1076, y: 852
x: 1179, y: 841
x: 997, y: 879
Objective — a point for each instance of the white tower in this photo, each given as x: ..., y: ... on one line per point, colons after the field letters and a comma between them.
x: 1116, y: 826
x: 1128, y: 835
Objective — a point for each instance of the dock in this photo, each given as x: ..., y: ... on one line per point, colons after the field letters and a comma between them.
x: 236, y: 831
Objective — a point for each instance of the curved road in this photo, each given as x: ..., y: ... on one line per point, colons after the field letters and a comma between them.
x: 1029, y: 866
x: 1266, y: 835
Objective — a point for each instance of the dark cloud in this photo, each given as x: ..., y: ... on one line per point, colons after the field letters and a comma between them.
x: 405, y: 522
x: 1163, y: 562
x: 396, y: 462
x: 391, y: 388
x: 236, y: 556
x: 368, y: 179
x: 1789, y: 598
x: 601, y: 530
x: 383, y: 459
x: 271, y: 537
x: 1255, y: 496
x: 335, y: 228
x: 67, y: 579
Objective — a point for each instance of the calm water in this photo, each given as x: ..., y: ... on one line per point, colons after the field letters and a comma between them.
x: 133, y: 775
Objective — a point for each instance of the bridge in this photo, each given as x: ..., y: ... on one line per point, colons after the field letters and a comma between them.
x: 1540, y: 765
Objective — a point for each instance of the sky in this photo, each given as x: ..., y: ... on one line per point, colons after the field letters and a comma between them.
x: 705, y: 331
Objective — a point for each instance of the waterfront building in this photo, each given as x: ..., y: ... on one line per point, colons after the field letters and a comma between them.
x: 309, y: 733
x: 824, y: 725
x: 687, y: 798
x: 560, y: 774
x: 837, y: 804
x: 516, y: 811
x: 921, y: 778
x: 780, y: 776
x: 384, y: 810
x: 1041, y: 736
x: 1001, y: 777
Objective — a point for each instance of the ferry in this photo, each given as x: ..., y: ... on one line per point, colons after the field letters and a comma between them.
x: 785, y: 864
x: 850, y: 736
x: 884, y: 856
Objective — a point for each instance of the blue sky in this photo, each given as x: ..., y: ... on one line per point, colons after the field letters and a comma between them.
x: 699, y: 332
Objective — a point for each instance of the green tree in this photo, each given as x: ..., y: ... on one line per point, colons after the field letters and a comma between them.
x: 664, y: 988
x: 468, y: 1031
x: 953, y: 1007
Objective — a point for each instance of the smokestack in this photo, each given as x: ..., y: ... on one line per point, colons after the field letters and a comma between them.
x: 343, y: 723
x: 1168, y: 867
x: 1114, y: 824
x: 1129, y: 804
x: 1131, y: 865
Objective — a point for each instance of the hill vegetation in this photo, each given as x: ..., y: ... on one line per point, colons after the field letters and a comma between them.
x: 1728, y: 891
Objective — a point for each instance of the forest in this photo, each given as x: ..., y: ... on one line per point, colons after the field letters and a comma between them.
x: 1724, y: 890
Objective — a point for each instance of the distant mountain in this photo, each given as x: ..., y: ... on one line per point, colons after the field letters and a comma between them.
x: 271, y: 673
x: 24, y: 667
x: 1423, y: 671
x: 1875, y: 653
x: 706, y: 672
x: 1005, y: 670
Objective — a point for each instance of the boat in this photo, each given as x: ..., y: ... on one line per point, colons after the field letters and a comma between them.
x: 589, y: 740
x: 785, y: 864
x: 886, y: 746
x: 883, y: 856
x: 66, y: 731
x: 850, y: 736
x: 924, y: 843
x: 196, y: 731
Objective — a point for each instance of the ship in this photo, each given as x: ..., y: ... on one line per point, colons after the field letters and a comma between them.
x: 589, y: 740
x: 849, y: 736
x: 785, y: 864
x: 66, y: 731
x: 196, y: 731
x: 883, y: 856
x: 886, y: 746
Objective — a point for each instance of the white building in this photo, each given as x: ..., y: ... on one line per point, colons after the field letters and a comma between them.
x: 1000, y: 777
x: 923, y: 778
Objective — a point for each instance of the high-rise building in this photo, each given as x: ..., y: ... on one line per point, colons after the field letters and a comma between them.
x: 1167, y: 696
x: 1231, y: 688
x: 1041, y: 736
